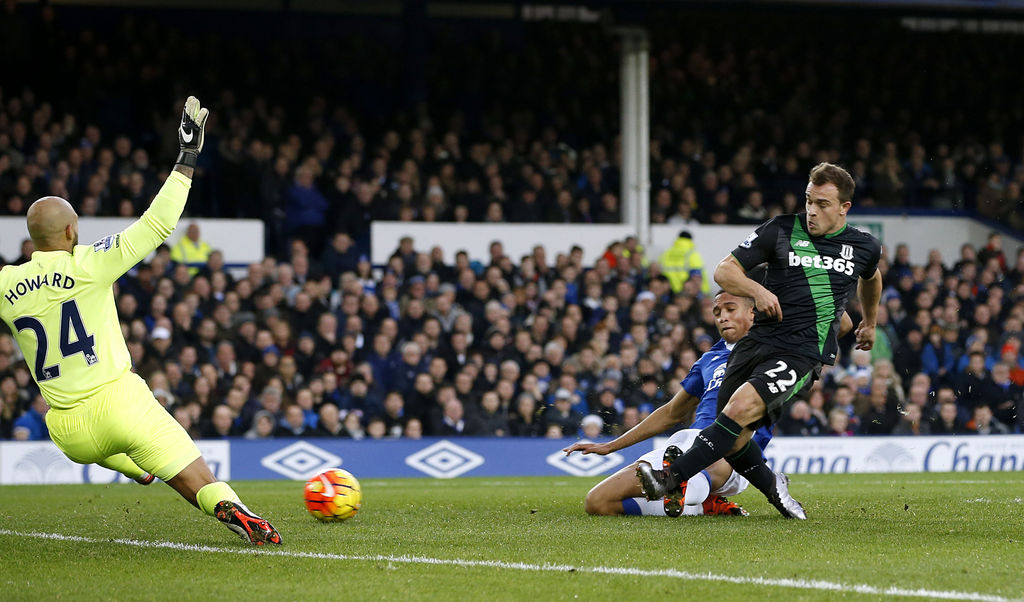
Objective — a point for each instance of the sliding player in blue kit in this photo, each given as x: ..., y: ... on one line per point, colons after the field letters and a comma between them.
x: 705, y: 492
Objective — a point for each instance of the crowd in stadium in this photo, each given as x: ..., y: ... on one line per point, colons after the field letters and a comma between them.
x: 314, y: 341
x: 538, y: 346
x: 734, y: 127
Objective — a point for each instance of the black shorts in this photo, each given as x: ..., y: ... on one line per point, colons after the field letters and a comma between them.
x: 778, y: 375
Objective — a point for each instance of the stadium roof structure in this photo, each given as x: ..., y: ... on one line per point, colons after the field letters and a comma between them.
x: 620, y: 10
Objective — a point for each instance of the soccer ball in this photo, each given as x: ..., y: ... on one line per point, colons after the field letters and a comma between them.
x: 333, y: 495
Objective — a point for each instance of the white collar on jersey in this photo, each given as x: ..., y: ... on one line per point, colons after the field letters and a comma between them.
x: 729, y: 346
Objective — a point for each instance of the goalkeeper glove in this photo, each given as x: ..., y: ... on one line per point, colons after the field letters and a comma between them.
x: 190, y: 132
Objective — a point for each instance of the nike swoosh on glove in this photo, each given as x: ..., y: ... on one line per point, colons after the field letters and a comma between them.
x: 191, y: 131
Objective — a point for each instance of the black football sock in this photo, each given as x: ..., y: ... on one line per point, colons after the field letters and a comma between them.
x: 711, y: 445
x: 750, y: 464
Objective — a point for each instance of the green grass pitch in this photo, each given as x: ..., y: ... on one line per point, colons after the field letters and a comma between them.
x: 916, y: 536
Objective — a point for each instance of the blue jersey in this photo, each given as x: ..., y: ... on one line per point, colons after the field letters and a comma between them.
x: 704, y: 380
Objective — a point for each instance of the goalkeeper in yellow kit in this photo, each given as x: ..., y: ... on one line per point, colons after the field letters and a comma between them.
x: 60, y: 306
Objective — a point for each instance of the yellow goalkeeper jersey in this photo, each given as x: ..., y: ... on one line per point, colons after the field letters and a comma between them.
x: 60, y: 306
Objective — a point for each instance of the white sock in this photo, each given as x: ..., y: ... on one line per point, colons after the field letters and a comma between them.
x: 693, y: 510
x: 650, y: 507
x: 698, y: 488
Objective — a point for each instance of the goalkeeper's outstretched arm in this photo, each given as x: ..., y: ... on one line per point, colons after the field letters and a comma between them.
x: 124, y: 250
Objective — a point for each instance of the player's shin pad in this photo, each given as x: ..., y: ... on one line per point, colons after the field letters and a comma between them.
x: 710, y: 446
x: 750, y: 464
x: 698, y: 488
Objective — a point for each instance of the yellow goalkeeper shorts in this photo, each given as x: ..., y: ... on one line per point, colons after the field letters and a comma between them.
x: 123, y: 417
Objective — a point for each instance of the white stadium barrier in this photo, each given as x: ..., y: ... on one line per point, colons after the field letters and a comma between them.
x: 241, y: 240
x: 921, y: 233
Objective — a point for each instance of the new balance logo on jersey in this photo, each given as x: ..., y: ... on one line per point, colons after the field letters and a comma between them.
x: 802, y: 243
x: 843, y: 266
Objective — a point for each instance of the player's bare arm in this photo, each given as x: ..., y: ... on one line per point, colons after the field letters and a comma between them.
x: 731, y: 276
x: 660, y: 420
x: 869, y: 291
x: 845, y: 324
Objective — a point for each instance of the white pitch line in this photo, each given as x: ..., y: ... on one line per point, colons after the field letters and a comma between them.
x: 523, y: 566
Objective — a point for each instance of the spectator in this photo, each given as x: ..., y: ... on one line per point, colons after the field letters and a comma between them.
x: 187, y: 416
x: 360, y: 398
x: 843, y: 399
x: 946, y: 421
x: 649, y: 396
x: 881, y: 415
x: 861, y: 369
x: 31, y: 426
x: 938, y: 357
x: 753, y: 210
x: 406, y: 370
x: 340, y: 256
x: 525, y: 423
x: 591, y: 426
x: 816, y: 407
x: 263, y: 425
x: 911, y: 422
x: 294, y: 424
x: 413, y: 429
x: 353, y: 427
x: 159, y: 351
x: 630, y: 418
x: 382, y: 360
x: 329, y: 422
x: 271, y: 401
x: 839, y: 423
x: 452, y: 423
x: 561, y: 414
x: 973, y: 385
x: 243, y: 407
x: 27, y: 248
x: 394, y: 413
x: 993, y: 250
x: 982, y: 422
x: 376, y: 429
x: 305, y: 208
x: 491, y: 419
x: 304, y: 399
x: 554, y: 431
x: 1007, y: 398
x: 800, y: 421
x: 190, y: 250
x: 907, y: 358
x: 682, y: 261
x: 221, y: 425
x: 609, y: 409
